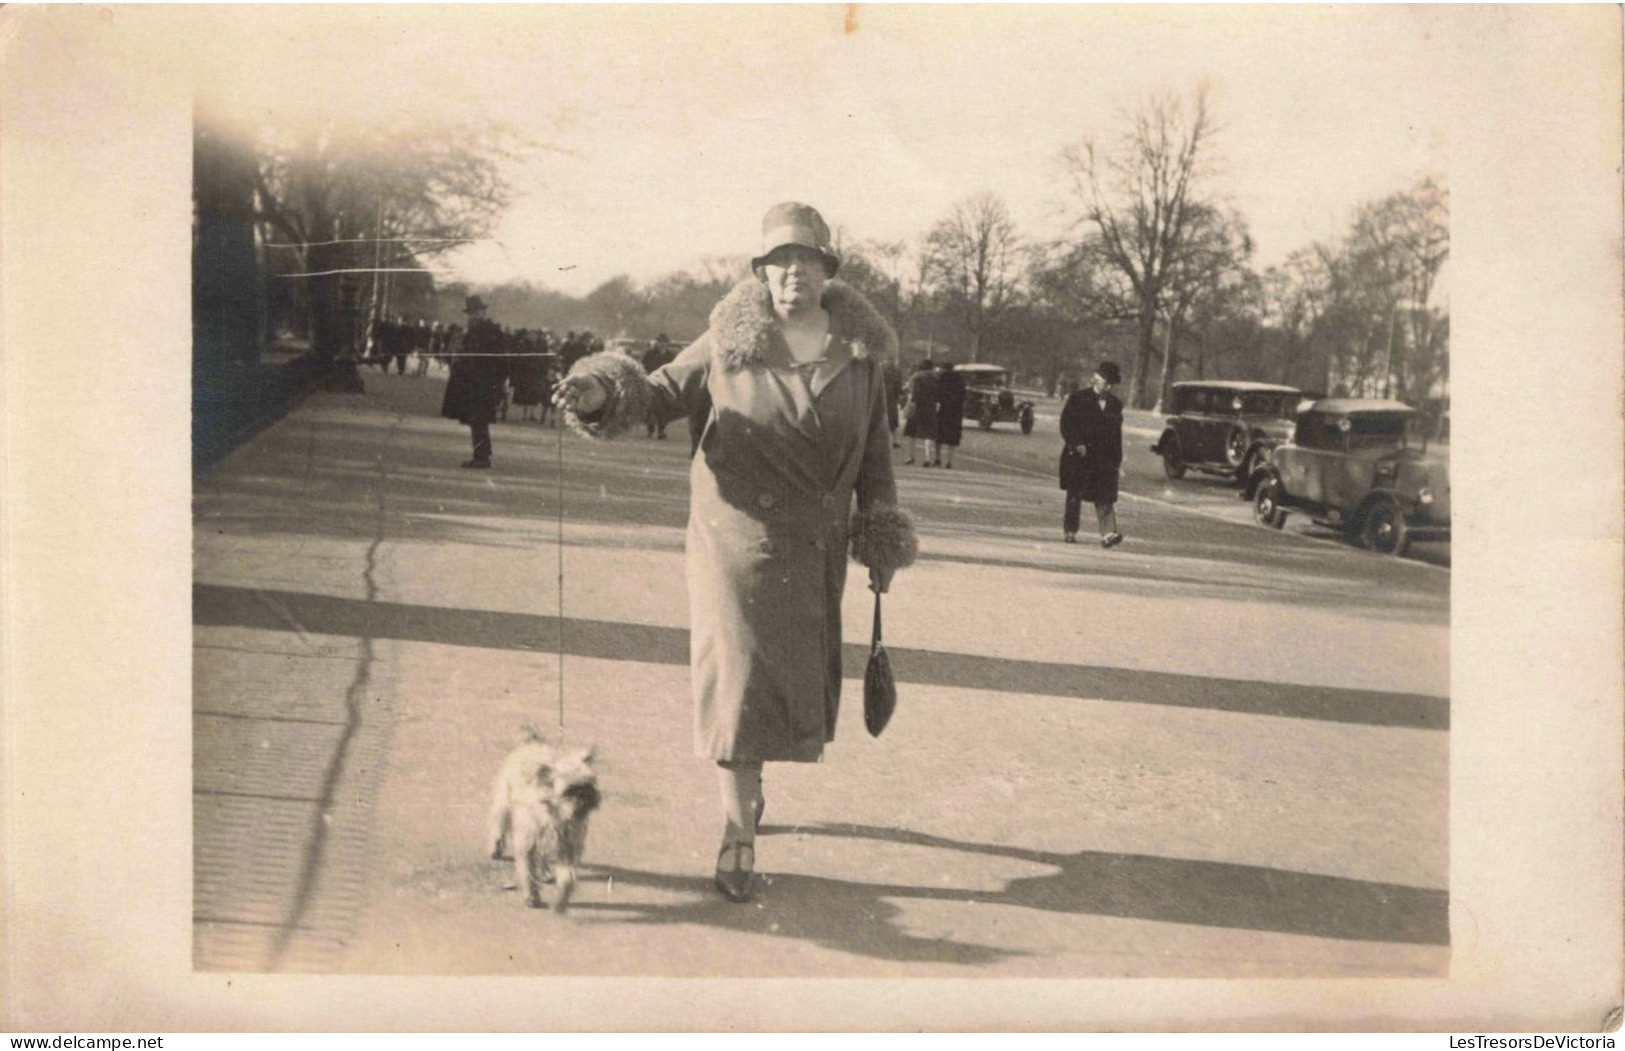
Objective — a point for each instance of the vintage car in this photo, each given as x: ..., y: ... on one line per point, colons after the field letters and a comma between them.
x: 1225, y: 428
x: 989, y: 399
x: 1361, y: 466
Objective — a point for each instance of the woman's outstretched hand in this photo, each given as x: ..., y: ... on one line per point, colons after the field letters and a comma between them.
x: 879, y: 580
x: 580, y: 394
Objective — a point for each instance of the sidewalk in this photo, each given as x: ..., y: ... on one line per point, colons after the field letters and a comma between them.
x: 1071, y: 787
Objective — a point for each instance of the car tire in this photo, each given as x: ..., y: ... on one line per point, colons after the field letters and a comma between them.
x: 1027, y: 420
x: 1257, y: 457
x: 1172, y: 465
x: 1267, y: 510
x: 1383, y: 529
x: 1235, y: 446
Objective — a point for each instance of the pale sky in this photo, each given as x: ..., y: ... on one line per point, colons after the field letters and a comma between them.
x: 675, y: 127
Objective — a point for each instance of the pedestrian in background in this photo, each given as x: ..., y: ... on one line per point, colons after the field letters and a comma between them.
x: 790, y: 370
x: 950, y: 413
x: 479, y: 374
x: 894, y: 396
x: 529, y: 382
x: 1092, y: 458
x: 657, y: 356
x: 922, y: 411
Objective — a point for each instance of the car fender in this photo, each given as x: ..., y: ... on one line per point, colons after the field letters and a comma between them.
x: 1167, y: 433
x: 1257, y: 478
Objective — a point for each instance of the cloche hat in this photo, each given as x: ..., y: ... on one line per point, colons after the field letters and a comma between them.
x: 791, y: 223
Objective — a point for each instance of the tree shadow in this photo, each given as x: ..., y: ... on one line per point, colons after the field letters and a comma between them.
x: 218, y: 605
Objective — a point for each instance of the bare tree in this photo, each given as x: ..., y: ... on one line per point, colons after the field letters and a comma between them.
x: 1136, y: 199
x: 1397, y: 248
x: 1296, y: 296
x: 350, y: 199
x: 896, y: 278
x: 1208, y: 264
x: 975, y: 256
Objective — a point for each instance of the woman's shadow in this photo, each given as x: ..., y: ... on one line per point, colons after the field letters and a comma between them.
x: 860, y: 918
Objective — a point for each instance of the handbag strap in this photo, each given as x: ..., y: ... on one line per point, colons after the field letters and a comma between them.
x: 874, y: 643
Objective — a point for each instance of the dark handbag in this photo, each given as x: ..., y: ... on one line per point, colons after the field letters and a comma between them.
x: 879, y: 688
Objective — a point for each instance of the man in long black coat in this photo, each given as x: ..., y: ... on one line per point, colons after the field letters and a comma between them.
x: 479, y: 371
x: 1092, y: 458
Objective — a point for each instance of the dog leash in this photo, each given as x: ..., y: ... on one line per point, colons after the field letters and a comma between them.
x: 559, y: 439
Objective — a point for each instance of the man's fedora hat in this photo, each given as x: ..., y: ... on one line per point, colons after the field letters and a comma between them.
x: 474, y: 305
x: 796, y: 224
x: 1109, y: 372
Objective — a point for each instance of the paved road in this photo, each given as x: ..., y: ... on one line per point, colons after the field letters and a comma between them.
x: 1215, y: 750
x: 1210, y: 495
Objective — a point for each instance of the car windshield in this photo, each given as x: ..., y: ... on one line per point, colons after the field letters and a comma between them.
x: 1260, y: 403
x: 1384, y: 431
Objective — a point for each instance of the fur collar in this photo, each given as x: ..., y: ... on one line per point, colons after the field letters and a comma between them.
x: 743, y: 329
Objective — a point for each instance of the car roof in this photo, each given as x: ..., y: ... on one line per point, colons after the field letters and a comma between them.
x: 1239, y: 386
x: 979, y: 366
x: 1345, y: 406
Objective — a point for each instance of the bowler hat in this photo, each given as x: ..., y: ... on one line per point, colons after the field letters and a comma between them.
x: 474, y: 305
x: 796, y: 224
x: 1109, y: 372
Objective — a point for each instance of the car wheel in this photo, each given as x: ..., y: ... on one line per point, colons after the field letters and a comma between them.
x: 1027, y: 420
x: 1267, y: 510
x: 986, y: 419
x: 1256, y: 458
x: 1235, y: 446
x: 1383, y: 529
x: 1172, y: 465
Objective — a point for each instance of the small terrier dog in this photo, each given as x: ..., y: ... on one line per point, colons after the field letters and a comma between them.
x: 539, y: 810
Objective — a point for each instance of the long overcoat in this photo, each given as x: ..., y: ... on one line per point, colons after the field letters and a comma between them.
x: 950, y: 407
x: 922, y: 406
x: 478, y: 371
x: 784, y: 452
x: 1100, y: 431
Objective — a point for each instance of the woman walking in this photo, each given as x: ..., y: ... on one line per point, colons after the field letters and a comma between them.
x: 922, y: 411
x: 1092, y: 458
x: 950, y: 413
x: 788, y: 382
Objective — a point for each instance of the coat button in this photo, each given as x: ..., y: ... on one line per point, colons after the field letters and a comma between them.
x: 765, y: 500
x: 765, y: 547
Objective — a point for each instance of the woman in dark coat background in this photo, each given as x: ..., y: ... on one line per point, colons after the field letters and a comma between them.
x: 1092, y: 458
x: 950, y: 413
x: 922, y: 411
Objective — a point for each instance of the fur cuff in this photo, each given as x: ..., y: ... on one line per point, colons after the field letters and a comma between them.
x: 628, y: 390
x: 883, y: 538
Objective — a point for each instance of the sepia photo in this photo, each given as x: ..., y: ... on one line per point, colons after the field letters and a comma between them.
x: 934, y: 492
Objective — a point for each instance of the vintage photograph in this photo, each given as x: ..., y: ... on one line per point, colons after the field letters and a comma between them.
x: 917, y: 492
x: 790, y: 518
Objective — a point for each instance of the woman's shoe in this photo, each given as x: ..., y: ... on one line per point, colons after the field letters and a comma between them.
x: 736, y: 875
x: 908, y: 461
x: 1111, y: 540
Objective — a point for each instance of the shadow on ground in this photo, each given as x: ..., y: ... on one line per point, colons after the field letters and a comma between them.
x: 860, y: 918
x: 218, y: 605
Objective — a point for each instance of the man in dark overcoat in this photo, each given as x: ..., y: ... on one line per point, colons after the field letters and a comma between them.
x: 1092, y: 458
x: 479, y: 372
x: 657, y: 355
